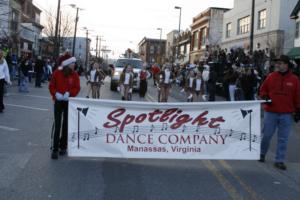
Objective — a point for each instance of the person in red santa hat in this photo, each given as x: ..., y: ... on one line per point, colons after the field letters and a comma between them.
x: 64, y: 83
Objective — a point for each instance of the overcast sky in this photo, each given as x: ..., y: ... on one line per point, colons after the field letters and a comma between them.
x: 123, y: 23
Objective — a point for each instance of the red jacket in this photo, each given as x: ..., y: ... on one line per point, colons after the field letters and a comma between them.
x: 283, y: 90
x: 60, y: 83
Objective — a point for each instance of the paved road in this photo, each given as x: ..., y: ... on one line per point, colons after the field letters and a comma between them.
x: 27, y: 172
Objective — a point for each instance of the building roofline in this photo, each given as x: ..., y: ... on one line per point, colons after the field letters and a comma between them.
x: 294, y: 14
x: 211, y: 8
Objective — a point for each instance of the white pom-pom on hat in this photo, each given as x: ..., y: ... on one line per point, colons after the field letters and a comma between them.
x: 68, y: 62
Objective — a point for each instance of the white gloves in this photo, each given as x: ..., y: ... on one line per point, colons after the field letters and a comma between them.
x: 118, y: 88
x: 66, y: 96
x: 130, y: 90
x: 59, y: 96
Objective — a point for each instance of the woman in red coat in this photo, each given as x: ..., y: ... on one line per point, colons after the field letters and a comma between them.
x: 65, y: 83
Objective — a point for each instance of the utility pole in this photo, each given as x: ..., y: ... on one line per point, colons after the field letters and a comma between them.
x: 87, y: 49
x: 97, y: 38
x: 179, y: 8
x: 160, y: 50
x: 59, y: 32
x: 56, y: 30
x: 100, y: 40
x: 252, y: 26
x: 74, y: 38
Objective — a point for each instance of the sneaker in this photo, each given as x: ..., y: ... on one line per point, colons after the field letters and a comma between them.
x: 280, y: 165
x: 54, y: 155
x: 62, y: 152
x: 262, y: 158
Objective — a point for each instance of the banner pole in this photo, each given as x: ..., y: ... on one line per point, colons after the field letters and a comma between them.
x: 78, y: 126
x: 250, y: 131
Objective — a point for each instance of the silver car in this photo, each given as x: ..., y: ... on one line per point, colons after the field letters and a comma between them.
x: 119, y: 67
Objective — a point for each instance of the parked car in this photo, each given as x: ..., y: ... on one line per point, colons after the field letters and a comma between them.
x: 119, y: 67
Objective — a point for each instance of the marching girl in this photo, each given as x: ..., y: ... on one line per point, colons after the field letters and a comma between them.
x: 95, y: 77
x: 198, y: 87
x: 166, y: 79
x: 126, y: 83
x: 144, y: 75
x: 189, y: 86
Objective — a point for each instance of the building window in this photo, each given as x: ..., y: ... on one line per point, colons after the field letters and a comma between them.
x: 203, y: 36
x: 262, y: 19
x: 196, y: 40
x: 228, y: 30
x: 243, y: 25
x: 151, y: 49
x: 297, y: 29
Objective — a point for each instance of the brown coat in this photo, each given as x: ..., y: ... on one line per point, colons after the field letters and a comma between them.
x: 122, y: 79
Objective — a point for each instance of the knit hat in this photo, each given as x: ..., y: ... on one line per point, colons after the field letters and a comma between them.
x: 68, y: 62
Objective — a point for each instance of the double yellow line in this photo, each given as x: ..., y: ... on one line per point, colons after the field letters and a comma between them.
x: 226, y: 184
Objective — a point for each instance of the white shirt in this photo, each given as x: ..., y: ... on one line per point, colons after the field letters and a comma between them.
x: 167, y: 76
x: 198, y: 84
x: 191, y: 82
x: 4, y: 71
x: 93, y: 74
x: 127, y: 79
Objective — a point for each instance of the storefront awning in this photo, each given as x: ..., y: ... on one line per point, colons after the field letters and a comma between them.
x: 294, y: 53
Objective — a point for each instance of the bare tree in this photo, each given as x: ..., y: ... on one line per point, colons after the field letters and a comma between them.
x: 66, y: 26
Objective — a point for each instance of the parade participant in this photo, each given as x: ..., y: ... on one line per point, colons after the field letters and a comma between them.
x: 126, y: 83
x: 283, y: 89
x: 95, y: 77
x: 198, y: 86
x: 24, y: 74
x: 39, y: 71
x: 155, y: 69
x: 143, y: 81
x: 211, y: 84
x: 64, y: 83
x: 165, y: 81
x: 189, y: 86
x: 4, y: 78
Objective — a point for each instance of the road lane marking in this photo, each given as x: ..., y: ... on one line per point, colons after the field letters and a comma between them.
x: 27, y: 107
x: 246, y: 187
x: 27, y: 95
x: 6, y: 128
x: 150, y: 98
x: 230, y: 189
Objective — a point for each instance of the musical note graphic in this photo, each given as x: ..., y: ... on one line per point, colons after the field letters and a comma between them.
x: 86, y: 137
x: 117, y: 129
x: 230, y: 134
x: 243, y: 136
x: 254, y: 138
x: 183, y: 128
x: 217, y: 131
x: 198, y: 128
x: 164, y: 127
x: 152, y: 128
x: 135, y: 129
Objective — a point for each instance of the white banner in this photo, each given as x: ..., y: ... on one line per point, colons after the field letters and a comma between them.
x: 118, y: 129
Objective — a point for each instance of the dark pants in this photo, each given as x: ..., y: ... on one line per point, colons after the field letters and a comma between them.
x: 143, y: 88
x: 2, y: 81
x: 38, y: 80
x: 211, y: 92
x: 60, y: 140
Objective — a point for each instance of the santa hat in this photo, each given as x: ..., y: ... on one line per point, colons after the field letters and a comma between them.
x: 68, y: 62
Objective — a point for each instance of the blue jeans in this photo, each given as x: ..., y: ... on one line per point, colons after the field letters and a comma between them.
x: 24, y: 84
x: 283, y: 123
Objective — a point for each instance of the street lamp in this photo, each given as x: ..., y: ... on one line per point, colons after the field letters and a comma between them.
x: 87, y: 46
x: 76, y: 22
x: 160, y: 50
x: 179, y: 8
x: 56, y: 30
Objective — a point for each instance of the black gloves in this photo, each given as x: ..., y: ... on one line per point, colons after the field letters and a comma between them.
x: 268, y: 100
x: 297, y: 115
